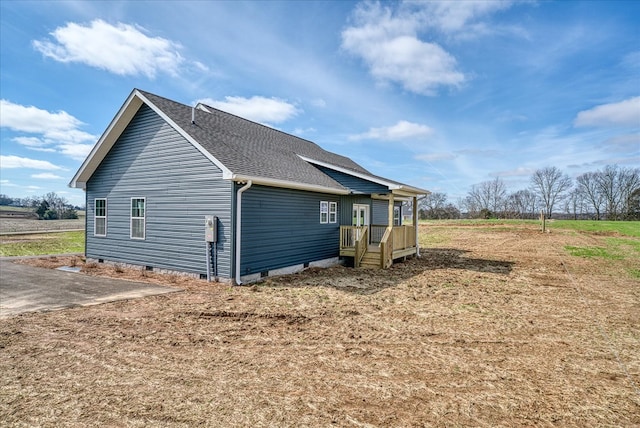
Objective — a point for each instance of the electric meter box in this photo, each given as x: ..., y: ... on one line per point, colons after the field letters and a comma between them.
x: 210, y: 228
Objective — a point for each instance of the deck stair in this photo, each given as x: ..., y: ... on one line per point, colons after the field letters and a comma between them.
x: 371, y: 259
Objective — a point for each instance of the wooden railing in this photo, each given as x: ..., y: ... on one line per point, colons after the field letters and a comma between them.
x: 377, y: 232
x: 349, y: 235
x: 354, y: 240
x: 404, y: 237
x: 362, y: 243
x: 386, y: 248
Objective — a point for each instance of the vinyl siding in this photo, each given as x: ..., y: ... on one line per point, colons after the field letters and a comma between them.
x: 281, y: 228
x: 346, y: 207
x: 181, y: 186
x: 355, y: 184
x: 380, y: 211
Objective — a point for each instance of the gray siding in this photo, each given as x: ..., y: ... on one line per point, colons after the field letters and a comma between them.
x: 281, y: 227
x: 355, y: 184
x: 380, y: 211
x: 181, y: 186
x: 346, y: 207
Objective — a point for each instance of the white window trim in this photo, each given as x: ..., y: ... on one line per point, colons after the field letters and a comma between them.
x: 333, y: 212
x: 96, y: 216
x: 324, y: 209
x: 143, y: 218
x: 397, y: 216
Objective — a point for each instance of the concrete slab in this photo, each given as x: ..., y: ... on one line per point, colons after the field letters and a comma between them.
x: 26, y: 288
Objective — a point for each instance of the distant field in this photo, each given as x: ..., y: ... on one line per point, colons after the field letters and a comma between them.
x: 18, y: 225
x: 42, y: 244
x: 626, y: 228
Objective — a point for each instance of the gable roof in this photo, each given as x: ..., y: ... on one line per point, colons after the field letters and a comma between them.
x: 242, y: 149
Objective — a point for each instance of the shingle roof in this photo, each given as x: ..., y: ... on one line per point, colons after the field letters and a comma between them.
x: 251, y: 149
x: 243, y: 149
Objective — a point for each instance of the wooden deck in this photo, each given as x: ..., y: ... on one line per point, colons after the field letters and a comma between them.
x: 358, y: 242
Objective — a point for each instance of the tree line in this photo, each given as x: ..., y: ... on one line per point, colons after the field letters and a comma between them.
x: 47, y: 207
x: 612, y: 193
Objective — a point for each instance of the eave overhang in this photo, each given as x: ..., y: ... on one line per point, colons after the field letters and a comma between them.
x: 395, y: 187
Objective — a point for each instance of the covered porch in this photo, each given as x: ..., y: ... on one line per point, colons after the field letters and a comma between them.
x: 377, y: 246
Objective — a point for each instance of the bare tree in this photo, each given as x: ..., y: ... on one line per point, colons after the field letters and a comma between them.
x: 629, y: 180
x: 574, y: 203
x: 550, y: 184
x: 432, y: 205
x: 523, y: 204
x: 587, y: 185
x: 488, y: 197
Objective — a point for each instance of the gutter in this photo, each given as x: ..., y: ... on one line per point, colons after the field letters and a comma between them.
x: 239, y: 228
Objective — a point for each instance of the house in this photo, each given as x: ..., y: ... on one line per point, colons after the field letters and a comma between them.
x: 196, y: 190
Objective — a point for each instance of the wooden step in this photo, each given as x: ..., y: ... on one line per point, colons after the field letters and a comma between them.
x: 370, y: 260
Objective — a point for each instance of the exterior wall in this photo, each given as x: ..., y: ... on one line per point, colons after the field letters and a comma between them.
x: 181, y: 186
x: 380, y: 211
x: 355, y: 184
x: 346, y: 207
x: 281, y: 228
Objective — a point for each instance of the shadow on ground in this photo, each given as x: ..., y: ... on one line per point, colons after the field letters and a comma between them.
x: 369, y: 281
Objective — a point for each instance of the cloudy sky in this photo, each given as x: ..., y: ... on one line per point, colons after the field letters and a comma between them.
x: 437, y: 95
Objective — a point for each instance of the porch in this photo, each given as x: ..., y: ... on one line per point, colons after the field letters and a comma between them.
x: 377, y: 246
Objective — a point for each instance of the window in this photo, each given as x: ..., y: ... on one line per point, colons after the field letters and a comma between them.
x: 137, y: 218
x: 396, y: 216
x: 100, y: 217
x: 324, y: 212
x: 333, y: 212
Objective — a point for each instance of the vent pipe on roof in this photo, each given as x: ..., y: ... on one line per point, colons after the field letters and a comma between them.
x: 193, y: 115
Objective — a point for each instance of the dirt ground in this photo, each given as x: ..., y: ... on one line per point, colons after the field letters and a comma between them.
x: 492, y: 326
x: 20, y: 225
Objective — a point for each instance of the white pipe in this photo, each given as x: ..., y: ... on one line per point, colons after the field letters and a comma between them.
x: 239, y: 228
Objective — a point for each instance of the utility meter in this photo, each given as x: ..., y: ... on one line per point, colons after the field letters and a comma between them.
x: 210, y: 228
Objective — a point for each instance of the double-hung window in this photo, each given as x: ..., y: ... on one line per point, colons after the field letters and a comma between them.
x: 137, y: 218
x: 324, y: 212
x: 100, y: 217
x: 333, y: 212
x: 396, y: 216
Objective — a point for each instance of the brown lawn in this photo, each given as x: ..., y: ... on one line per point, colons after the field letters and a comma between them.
x: 493, y: 326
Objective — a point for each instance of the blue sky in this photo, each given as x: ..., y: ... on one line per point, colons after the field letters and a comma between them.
x: 440, y: 95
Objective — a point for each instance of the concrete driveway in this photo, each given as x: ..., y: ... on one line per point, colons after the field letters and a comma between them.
x: 26, y: 289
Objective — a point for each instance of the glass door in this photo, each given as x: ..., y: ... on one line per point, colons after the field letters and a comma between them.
x: 360, y: 217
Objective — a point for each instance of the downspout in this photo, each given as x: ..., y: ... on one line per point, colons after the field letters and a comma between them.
x: 239, y: 228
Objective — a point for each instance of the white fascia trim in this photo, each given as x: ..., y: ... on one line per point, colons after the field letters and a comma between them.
x: 225, y: 171
x: 392, y: 186
x: 273, y: 182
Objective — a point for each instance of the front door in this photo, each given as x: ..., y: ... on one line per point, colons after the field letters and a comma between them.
x: 360, y: 217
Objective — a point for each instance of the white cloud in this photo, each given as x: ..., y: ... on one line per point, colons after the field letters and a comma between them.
x: 46, y: 176
x: 20, y: 162
x: 59, y: 130
x: 623, y: 113
x: 434, y: 157
x: 75, y: 151
x: 7, y: 183
x: 517, y: 172
x: 256, y: 108
x: 402, y: 130
x: 456, y: 16
x: 120, y: 49
x: 387, y: 41
x: 623, y: 143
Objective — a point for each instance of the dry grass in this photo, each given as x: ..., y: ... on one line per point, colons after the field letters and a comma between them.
x: 491, y: 328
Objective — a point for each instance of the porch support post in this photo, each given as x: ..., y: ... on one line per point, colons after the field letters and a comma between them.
x: 415, y: 224
x: 391, y: 200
